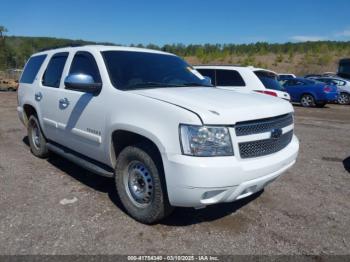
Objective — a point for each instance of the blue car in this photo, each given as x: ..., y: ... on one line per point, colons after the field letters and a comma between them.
x: 309, y: 92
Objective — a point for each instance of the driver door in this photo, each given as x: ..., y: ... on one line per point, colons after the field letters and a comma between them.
x: 81, y: 125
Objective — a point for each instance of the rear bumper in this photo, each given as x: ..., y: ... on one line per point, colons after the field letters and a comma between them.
x: 20, y: 114
x: 329, y: 97
x: 197, y: 182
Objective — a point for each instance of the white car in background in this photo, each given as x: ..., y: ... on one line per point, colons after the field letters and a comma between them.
x: 244, y: 79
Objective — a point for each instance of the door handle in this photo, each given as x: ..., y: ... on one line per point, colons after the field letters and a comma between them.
x: 64, y: 103
x: 38, y: 96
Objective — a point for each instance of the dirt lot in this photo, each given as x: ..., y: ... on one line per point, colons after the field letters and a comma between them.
x: 54, y: 207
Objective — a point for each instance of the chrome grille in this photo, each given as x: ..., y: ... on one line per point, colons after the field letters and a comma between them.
x: 263, y: 125
x: 264, y: 147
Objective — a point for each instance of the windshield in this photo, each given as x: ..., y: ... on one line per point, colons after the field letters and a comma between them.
x: 135, y: 70
x: 269, y: 80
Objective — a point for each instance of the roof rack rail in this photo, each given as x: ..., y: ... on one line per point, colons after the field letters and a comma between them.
x: 60, y: 46
x: 71, y: 45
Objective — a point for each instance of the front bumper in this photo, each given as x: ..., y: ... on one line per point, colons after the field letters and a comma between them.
x: 197, y: 182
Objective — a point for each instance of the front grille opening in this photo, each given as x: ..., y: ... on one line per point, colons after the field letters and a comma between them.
x: 264, y: 147
x: 263, y: 125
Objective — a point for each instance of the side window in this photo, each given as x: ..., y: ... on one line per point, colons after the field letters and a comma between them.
x: 209, y: 73
x: 31, y: 69
x: 53, y: 72
x: 287, y: 83
x: 84, y: 63
x: 229, y: 78
x: 292, y: 82
x: 339, y: 82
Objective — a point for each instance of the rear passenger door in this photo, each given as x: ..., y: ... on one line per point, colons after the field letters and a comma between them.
x: 81, y: 120
x: 48, y: 92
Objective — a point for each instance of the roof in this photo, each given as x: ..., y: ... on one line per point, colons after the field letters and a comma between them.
x: 101, y: 48
x: 234, y: 67
x: 228, y: 67
x: 302, y: 78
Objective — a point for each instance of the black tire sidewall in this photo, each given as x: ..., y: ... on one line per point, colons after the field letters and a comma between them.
x: 42, y: 151
x: 159, y: 206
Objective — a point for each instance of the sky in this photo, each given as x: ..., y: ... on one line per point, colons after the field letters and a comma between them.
x: 179, y: 21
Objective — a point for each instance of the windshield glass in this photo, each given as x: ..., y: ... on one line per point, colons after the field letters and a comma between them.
x: 269, y: 80
x: 135, y: 70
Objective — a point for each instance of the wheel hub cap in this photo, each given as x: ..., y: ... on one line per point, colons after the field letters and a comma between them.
x: 36, y: 136
x: 139, y: 184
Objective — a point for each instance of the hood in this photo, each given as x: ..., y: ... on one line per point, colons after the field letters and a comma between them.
x: 218, y: 106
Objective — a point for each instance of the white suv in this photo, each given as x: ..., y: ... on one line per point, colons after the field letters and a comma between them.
x: 244, y: 79
x: 152, y: 122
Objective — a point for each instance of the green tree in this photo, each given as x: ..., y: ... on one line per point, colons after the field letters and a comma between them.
x: 3, y: 30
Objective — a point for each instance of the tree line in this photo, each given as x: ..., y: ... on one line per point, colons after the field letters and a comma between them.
x: 15, y: 50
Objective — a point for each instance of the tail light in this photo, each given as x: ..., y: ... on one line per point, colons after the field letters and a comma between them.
x: 327, y: 89
x: 271, y: 93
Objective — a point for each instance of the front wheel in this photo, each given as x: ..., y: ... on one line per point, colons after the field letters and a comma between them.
x: 140, y: 184
x: 307, y: 101
x: 344, y: 99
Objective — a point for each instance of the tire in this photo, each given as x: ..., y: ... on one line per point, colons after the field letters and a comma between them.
x: 344, y: 98
x: 36, y: 138
x: 140, y: 184
x: 307, y: 100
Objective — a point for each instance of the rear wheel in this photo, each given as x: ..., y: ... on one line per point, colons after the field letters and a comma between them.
x: 307, y: 101
x: 36, y: 138
x: 344, y: 99
x: 140, y: 184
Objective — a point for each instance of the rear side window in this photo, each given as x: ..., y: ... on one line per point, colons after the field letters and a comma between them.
x: 84, y: 63
x: 32, y: 69
x: 53, y: 73
x: 229, y: 78
x: 269, y: 80
x: 209, y: 73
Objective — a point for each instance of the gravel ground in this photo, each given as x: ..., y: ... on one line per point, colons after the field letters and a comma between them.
x: 55, y: 207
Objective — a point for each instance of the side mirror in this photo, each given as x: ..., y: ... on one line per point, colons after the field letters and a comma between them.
x: 82, y: 82
x: 207, y: 80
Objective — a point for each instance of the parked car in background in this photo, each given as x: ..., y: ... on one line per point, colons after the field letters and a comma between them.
x: 310, y: 93
x: 343, y: 88
x: 286, y: 76
x: 344, y: 68
x: 244, y: 79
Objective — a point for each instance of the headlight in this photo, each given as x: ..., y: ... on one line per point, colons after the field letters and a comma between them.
x: 205, y: 141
